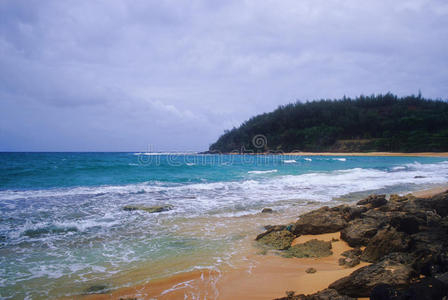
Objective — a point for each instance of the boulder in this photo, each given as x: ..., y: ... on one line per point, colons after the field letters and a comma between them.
x: 310, y: 270
x: 384, y: 242
x: 267, y: 210
x: 439, y: 203
x: 423, y: 289
x: 323, y: 220
x: 350, y: 258
x: 373, y: 201
x: 359, y: 232
x: 393, y: 269
x: 312, y: 248
x: 278, y: 240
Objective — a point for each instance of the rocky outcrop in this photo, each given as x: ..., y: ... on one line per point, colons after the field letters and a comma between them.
x: 373, y: 201
x: 350, y: 258
x: 312, y: 248
x: 323, y: 220
x: 394, y: 270
x: 359, y: 231
x: 405, y: 239
x: 384, y: 242
x: 278, y: 240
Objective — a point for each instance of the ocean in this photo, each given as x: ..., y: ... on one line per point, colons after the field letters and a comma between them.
x: 63, y: 229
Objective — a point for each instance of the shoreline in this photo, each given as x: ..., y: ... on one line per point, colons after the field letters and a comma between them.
x: 250, y: 276
x: 383, y: 154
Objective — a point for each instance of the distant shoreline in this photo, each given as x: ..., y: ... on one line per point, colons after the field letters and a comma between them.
x: 394, y: 154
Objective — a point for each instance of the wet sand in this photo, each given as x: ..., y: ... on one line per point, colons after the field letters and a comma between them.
x: 259, y: 277
x: 255, y: 276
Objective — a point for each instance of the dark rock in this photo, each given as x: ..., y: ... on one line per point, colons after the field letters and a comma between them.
x: 352, y: 252
x: 278, y: 240
x: 150, y: 209
x: 393, y: 269
x: 350, y: 258
x: 407, y: 223
x: 418, y: 176
x: 359, y: 231
x: 426, y: 289
x: 267, y: 210
x: 97, y: 289
x: 349, y: 262
x: 384, y: 242
x: 373, y: 201
x: 327, y: 294
x: 439, y: 203
x: 310, y: 270
x: 385, y: 292
x: 312, y: 248
x: 323, y: 220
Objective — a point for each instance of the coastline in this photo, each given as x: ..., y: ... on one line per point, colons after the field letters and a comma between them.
x: 417, y: 154
x: 250, y: 276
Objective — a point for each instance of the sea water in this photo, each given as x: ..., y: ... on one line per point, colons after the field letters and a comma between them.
x: 63, y: 228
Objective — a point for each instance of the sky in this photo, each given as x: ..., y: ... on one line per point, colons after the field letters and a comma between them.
x: 139, y: 75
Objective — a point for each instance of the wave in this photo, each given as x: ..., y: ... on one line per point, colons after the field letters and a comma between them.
x: 289, y: 161
x: 263, y: 172
x: 308, y: 159
x: 340, y: 159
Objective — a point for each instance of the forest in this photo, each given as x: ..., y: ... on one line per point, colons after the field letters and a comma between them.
x: 363, y: 124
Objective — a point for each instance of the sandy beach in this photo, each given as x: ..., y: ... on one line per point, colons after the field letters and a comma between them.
x: 260, y: 275
x: 419, y: 154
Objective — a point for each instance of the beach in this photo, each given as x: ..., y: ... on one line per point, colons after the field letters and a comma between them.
x: 258, y: 275
x: 111, y: 225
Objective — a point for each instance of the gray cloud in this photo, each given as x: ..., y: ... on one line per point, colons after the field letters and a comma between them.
x: 122, y: 75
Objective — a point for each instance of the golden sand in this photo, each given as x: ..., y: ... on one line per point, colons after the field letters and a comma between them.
x: 258, y: 277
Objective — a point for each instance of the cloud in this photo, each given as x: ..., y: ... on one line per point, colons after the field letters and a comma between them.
x: 119, y: 75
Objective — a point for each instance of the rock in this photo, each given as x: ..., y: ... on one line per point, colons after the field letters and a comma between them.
x: 352, y: 252
x: 312, y: 248
x: 278, y: 240
x: 267, y: 210
x: 97, y: 289
x: 323, y: 220
x: 407, y: 223
x: 426, y: 289
x: 393, y: 269
x: 269, y: 229
x: 310, y: 270
x: 327, y: 294
x: 418, y: 176
x: 150, y: 209
x: 385, y: 292
x: 384, y: 242
x: 350, y: 258
x: 359, y: 232
x: 348, y: 262
x: 373, y: 201
x: 439, y: 203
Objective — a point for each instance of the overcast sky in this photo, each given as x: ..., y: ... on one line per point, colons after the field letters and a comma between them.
x: 118, y: 75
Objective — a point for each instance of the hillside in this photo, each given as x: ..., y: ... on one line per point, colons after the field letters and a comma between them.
x: 374, y: 123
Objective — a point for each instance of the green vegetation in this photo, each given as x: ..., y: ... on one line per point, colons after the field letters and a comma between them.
x: 374, y: 123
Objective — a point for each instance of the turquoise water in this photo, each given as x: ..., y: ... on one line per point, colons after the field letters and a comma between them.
x: 63, y: 229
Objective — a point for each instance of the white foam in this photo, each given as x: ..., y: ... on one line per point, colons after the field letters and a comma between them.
x: 290, y: 161
x: 340, y: 159
x: 308, y: 159
x: 262, y: 172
